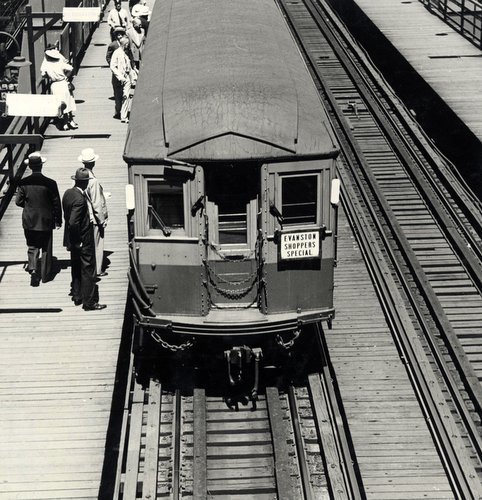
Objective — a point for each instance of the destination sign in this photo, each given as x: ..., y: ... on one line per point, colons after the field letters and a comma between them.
x: 299, y: 245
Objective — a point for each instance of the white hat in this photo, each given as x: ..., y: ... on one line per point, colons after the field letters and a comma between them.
x: 35, y: 160
x: 144, y: 10
x: 88, y: 155
x: 53, y: 53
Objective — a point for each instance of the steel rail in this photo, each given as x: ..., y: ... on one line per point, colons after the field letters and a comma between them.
x: 403, y: 150
x: 462, y: 479
x: 458, y: 475
x: 352, y: 476
x: 176, y: 452
x: 300, y: 450
x: 356, y: 157
x: 460, y: 191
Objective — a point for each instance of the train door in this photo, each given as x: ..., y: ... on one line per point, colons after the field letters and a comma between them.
x: 298, y: 224
x: 232, y: 235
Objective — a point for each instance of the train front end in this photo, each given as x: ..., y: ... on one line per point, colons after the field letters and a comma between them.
x: 233, y: 193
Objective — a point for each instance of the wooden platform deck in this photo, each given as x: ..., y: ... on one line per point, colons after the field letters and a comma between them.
x: 58, y: 362
x: 393, y: 445
x: 449, y: 63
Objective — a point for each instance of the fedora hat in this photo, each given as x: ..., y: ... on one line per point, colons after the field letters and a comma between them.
x: 35, y: 160
x: 53, y: 53
x: 88, y: 155
x: 81, y: 174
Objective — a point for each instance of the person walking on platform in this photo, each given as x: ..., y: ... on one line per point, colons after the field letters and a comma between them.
x: 97, y: 207
x: 136, y: 35
x: 79, y: 240
x: 117, y: 17
x: 39, y: 197
x: 122, y: 72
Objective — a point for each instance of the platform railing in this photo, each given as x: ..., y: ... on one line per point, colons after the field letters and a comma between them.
x: 464, y: 16
x: 12, y: 156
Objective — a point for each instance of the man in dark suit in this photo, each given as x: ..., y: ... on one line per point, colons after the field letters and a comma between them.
x: 79, y: 240
x: 39, y: 197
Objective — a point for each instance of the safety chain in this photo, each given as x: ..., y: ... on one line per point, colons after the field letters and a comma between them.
x: 232, y: 294
x: 211, y: 271
x: 290, y: 343
x: 171, y: 347
x: 212, y: 303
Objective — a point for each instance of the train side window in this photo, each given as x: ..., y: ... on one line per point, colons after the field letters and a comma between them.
x: 299, y: 199
x: 166, y: 206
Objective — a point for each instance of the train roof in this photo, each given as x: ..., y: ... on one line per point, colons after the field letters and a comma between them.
x: 221, y: 80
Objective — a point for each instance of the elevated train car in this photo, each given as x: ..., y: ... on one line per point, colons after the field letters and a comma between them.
x: 233, y: 188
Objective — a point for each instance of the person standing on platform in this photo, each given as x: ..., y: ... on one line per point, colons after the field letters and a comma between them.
x: 56, y: 70
x: 39, y: 197
x: 117, y: 17
x: 122, y: 72
x: 119, y: 32
x: 97, y: 207
x: 136, y: 35
x: 79, y: 240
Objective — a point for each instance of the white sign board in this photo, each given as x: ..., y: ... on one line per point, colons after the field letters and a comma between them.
x: 299, y: 245
x: 81, y: 14
x: 32, y: 105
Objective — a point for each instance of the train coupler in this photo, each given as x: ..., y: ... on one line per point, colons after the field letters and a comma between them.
x: 239, y: 360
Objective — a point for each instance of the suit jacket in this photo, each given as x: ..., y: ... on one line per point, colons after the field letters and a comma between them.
x: 113, y: 46
x: 78, y: 228
x: 120, y: 65
x: 97, y: 205
x: 40, y: 199
x: 136, y: 42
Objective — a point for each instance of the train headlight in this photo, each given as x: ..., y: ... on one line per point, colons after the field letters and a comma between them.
x: 130, y: 200
x: 335, y: 192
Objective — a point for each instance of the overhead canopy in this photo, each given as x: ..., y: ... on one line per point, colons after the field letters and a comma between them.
x: 223, y: 79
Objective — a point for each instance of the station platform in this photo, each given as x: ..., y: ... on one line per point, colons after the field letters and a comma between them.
x: 57, y: 362
x: 443, y: 58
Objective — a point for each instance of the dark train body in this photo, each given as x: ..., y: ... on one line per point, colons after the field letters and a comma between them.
x: 231, y: 165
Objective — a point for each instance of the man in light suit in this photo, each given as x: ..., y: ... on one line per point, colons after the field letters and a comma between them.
x: 79, y: 240
x: 122, y: 71
x: 39, y: 197
x: 97, y: 207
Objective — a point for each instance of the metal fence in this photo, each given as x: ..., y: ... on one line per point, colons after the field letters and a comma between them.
x: 464, y: 16
x: 73, y: 39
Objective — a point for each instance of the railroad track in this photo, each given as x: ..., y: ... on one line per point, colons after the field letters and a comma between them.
x: 426, y: 220
x: 288, y: 444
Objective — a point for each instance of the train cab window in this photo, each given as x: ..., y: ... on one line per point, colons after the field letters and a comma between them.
x: 299, y: 199
x: 166, y: 206
x: 232, y: 192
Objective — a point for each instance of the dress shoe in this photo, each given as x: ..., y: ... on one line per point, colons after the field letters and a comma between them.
x: 103, y: 273
x: 34, y: 279
x: 116, y: 117
x: 73, y: 125
x: 77, y: 302
x: 94, y: 307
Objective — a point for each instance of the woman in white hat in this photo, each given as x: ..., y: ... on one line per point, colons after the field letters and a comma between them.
x: 56, y: 68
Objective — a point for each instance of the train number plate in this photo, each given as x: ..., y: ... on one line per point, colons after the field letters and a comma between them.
x: 299, y: 245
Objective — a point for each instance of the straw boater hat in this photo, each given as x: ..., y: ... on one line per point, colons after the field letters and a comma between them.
x: 35, y: 160
x: 53, y: 53
x: 88, y: 155
x: 119, y: 29
x: 81, y: 174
